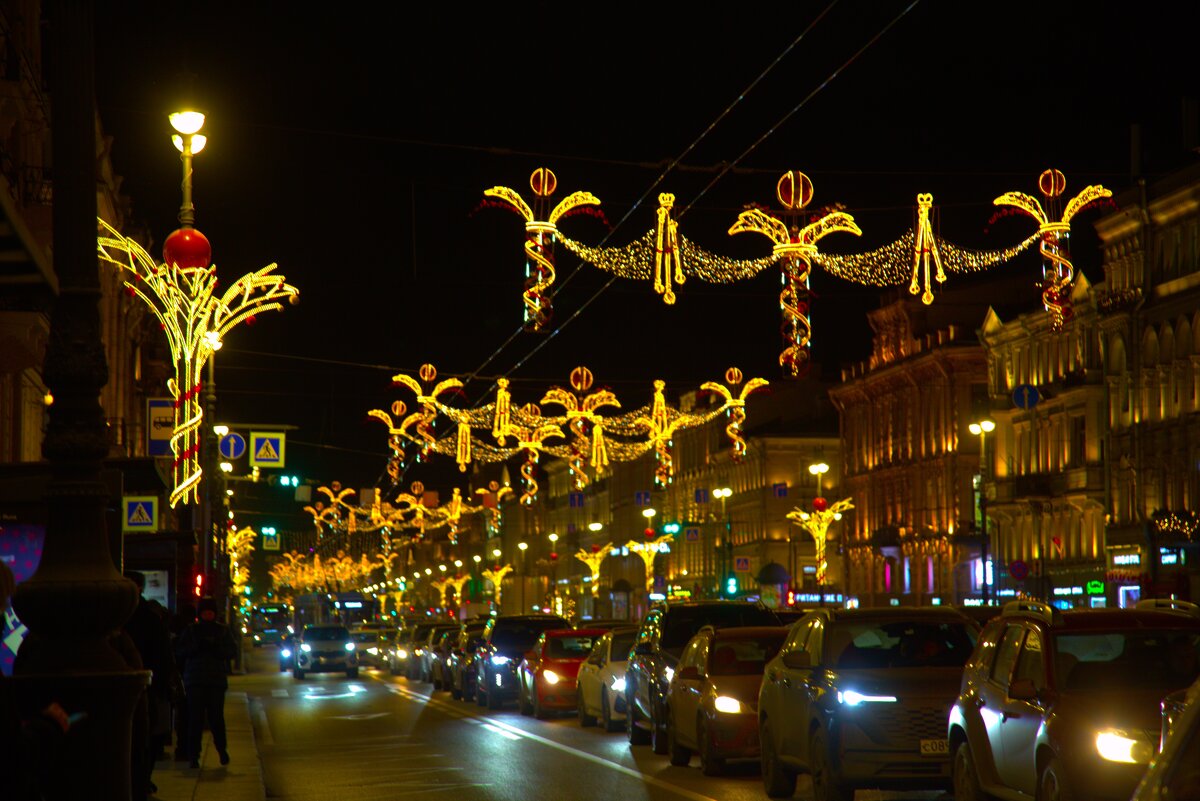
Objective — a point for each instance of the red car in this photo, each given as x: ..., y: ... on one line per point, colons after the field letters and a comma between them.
x: 548, y: 673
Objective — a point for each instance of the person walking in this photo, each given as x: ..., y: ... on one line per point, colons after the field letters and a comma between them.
x: 147, y: 627
x: 205, y: 649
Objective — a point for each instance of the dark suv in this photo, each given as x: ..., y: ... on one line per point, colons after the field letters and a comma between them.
x: 506, y: 640
x: 664, y: 632
x: 1059, y: 705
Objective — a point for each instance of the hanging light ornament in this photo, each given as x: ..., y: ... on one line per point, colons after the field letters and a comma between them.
x: 735, y: 407
x: 925, y: 250
x: 585, y: 425
x: 540, y: 235
x: 424, y: 423
x: 1058, y: 274
x: 795, y: 248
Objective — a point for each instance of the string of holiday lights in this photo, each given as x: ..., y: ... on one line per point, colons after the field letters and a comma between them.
x: 195, y: 320
x: 540, y: 233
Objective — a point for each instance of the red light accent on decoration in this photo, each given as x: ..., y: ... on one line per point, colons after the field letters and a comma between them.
x: 251, y: 320
x: 553, y: 557
x: 649, y: 533
x: 595, y: 549
x: 130, y: 291
x: 186, y: 248
x: 820, y: 504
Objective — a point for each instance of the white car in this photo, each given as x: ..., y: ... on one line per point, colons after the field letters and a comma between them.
x: 601, y: 680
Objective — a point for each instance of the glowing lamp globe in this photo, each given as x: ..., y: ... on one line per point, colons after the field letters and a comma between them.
x: 187, y: 247
x: 820, y: 504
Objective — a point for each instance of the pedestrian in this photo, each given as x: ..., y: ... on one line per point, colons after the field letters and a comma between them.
x: 29, y: 736
x: 204, y: 650
x: 147, y: 627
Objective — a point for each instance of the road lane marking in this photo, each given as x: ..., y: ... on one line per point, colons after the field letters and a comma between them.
x: 513, y: 732
x: 362, y: 716
x: 279, y: 693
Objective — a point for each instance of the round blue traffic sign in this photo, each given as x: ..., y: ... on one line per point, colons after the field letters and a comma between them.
x: 1026, y: 396
x: 232, y: 446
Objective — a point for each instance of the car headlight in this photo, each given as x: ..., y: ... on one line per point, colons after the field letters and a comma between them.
x: 373, y: 651
x: 618, y: 684
x: 349, y: 646
x: 403, y: 654
x: 305, y: 647
x: 550, y: 676
x: 852, y: 698
x: 669, y: 673
x: 257, y: 638
x: 285, y: 653
x: 725, y: 703
x: 500, y: 660
x: 1117, y: 746
x: 418, y: 652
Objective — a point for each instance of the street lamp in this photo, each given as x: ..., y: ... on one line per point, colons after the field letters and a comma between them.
x: 496, y: 552
x: 649, y: 513
x: 981, y: 429
x: 723, y: 493
x: 523, y: 546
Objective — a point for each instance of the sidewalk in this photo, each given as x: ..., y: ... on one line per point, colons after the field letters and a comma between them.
x: 240, y: 780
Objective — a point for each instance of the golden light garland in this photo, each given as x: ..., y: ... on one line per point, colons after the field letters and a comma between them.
x: 195, y: 320
x: 647, y: 551
x: 1058, y: 274
x: 817, y: 523
x: 539, y: 240
x: 593, y: 559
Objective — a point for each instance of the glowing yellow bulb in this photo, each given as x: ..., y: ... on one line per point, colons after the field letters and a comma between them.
x: 186, y: 122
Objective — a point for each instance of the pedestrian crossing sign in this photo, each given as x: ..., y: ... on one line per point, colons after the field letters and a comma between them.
x: 140, y: 513
x: 267, y: 449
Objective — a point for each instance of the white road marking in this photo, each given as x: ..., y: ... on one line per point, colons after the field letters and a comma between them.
x: 279, y: 693
x: 363, y: 716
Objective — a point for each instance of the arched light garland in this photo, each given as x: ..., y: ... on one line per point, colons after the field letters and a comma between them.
x: 539, y: 240
x: 195, y: 321
x: 1058, y: 274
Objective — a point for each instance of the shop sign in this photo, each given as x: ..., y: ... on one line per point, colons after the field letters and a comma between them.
x: 1170, y: 556
x: 1126, y: 559
x: 1068, y: 590
x: 1095, y: 587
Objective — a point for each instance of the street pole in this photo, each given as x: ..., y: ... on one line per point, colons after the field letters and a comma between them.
x: 981, y: 430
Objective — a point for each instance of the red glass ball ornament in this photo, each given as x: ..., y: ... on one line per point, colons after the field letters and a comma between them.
x: 595, y: 549
x: 251, y: 320
x: 649, y: 533
x: 187, y: 247
x: 553, y: 557
x: 130, y: 291
x: 820, y: 504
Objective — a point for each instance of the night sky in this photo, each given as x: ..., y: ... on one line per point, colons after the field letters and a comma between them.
x: 351, y: 143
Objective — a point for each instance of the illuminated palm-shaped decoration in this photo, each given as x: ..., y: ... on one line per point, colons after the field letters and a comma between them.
x: 428, y: 401
x: 452, y: 511
x: 661, y: 426
x: 339, y: 514
x: 239, y: 544
x: 399, y: 433
x: 585, y: 425
x: 540, y: 235
x: 195, y: 319
x: 736, y: 406
x: 925, y: 251
x: 456, y: 583
x: 1058, y: 274
x: 532, y: 440
x: 817, y: 523
x: 647, y: 551
x: 795, y: 249
x: 496, y: 576
x: 593, y: 559
x: 492, y: 499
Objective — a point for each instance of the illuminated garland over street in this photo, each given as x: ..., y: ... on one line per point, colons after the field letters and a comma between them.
x: 408, y: 512
x: 195, y: 320
x: 539, y: 240
x: 1058, y: 274
x: 595, y: 440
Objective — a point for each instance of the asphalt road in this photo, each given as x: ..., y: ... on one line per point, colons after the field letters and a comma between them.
x: 379, y: 737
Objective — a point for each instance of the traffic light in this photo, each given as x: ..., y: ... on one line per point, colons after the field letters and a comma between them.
x: 670, y: 528
x: 289, y: 481
x: 731, y: 585
x: 199, y: 590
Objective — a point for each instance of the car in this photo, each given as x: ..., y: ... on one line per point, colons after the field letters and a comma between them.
x: 661, y: 637
x: 439, y: 655
x: 325, y: 648
x: 1174, y: 774
x: 506, y: 639
x: 461, y: 679
x: 416, y: 648
x: 712, y: 701
x: 426, y: 652
x: 549, y: 672
x: 1066, y: 704
x: 401, y: 651
x: 601, y: 680
x: 859, y: 698
x: 372, y: 644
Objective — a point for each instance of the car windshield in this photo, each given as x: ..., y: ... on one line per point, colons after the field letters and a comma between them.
x: 524, y: 634
x: 569, y: 647
x: 898, y: 643
x: 743, y: 657
x: 682, y: 623
x: 327, y: 633
x: 622, y: 644
x: 1153, y: 659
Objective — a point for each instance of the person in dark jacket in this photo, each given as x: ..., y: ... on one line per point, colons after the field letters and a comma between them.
x: 205, y: 649
x: 147, y: 627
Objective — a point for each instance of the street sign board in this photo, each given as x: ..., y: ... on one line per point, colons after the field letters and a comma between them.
x: 270, y: 540
x: 232, y: 446
x: 701, y: 495
x: 691, y: 534
x: 140, y: 513
x: 1026, y: 396
x: 780, y: 489
x: 160, y: 423
x: 641, y: 498
x: 1018, y: 570
x: 741, y: 564
x: 267, y: 448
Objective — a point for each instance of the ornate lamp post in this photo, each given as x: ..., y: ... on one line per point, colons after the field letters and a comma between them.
x: 981, y: 429
x: 817, y: 523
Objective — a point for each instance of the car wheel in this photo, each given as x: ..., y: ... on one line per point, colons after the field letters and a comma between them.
x: 523, y: 705
x: 658, y: 730
x: 1052, y: 786
x: 710, y: 763
x: 637, y: 736
x: 965, y: 777
x: 585, y: 720
x: 352, y: 673
x: 480, y: 699
x: 297, y: 673
x: 679, y: 754
x: 778, y: 781
x: 826, y: 784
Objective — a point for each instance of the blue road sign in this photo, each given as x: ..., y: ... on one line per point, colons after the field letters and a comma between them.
x: 701, y: 495
x: 641, y: 498
x: 232, y: 446
x: 691, y: 534
x: 267, y: 450
x: 1026, y: 396
x: 160, y: 424
x: 141, y: 513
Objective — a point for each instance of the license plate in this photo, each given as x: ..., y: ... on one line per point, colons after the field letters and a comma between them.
x: 935, y: 748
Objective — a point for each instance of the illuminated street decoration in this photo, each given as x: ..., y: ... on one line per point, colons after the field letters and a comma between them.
x: 496, y: 576
x: 647, y: 551
x: 817, y: 523
x: 736, y: 407
x: 925, y: 250
x: 540, y: 235
x: 585, y: 425
x: 181, y: 295
x: 593, y: 559
x: 424, y: 423
x: 239, y: 544
x: 795, y: 249
x: 532, y: 440
x: 668, y: 265
x: 1058, y: 274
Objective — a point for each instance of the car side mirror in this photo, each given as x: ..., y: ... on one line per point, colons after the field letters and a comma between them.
x: 1022, y: 690
x: 797, y: 660
x: 689, y: 673
x: 643, y: 649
